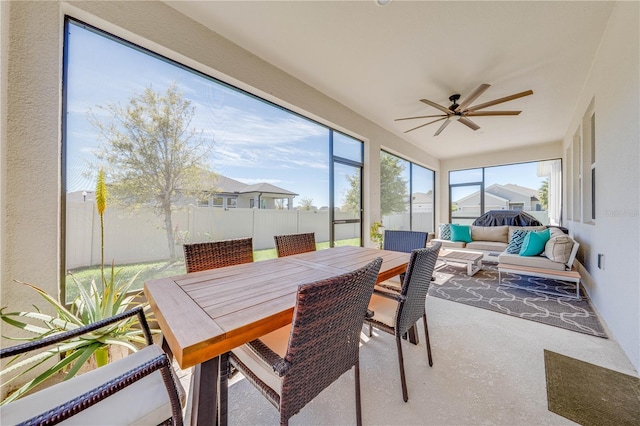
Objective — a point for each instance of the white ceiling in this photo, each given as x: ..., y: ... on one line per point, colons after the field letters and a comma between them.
x: 380, y: 60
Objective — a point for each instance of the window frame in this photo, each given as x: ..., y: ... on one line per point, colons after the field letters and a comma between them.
x: 71, y: 20
x: 410, y: 189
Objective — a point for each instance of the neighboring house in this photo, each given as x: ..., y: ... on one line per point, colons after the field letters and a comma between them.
x: 422, y: 202
x: 227, y: 193
x: 499, y: 197
x: 230, y: 193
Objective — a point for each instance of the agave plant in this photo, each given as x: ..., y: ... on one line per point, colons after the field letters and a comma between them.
x: 97, y: 302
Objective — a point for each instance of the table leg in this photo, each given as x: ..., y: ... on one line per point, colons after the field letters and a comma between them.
x: 204, y: 407
x: 223, y: 389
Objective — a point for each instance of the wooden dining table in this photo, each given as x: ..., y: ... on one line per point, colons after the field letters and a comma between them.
x: 203, y: 315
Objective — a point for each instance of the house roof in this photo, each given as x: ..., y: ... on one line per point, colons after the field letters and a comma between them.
x: 226, y: 185
x: 266, y: 188
x: 510, y: 187
x: 475, y: 194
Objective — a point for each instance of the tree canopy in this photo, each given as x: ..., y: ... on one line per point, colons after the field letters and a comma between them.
x: 393, y: 188
x: 151, y: 152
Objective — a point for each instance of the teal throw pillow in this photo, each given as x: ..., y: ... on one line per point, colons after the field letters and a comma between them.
x: 461, y: 233
x: 534, y: 243
x: 515, y: 243
x: 445, y: 231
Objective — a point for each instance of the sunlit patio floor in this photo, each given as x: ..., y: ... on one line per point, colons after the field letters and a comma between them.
x: 488, y: 369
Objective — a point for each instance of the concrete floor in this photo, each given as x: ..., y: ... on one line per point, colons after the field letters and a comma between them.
x: 488, y: 369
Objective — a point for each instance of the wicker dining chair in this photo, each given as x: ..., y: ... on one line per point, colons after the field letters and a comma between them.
x: 404, y: 241
x: 216, y: 254
x: 292, y: 365
x: 287, y: 245
x: 396, y: 313
x: 212, y: 255
x: 138, y: 389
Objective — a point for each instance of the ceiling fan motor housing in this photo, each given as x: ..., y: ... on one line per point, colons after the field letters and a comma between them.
x: 454, y: 99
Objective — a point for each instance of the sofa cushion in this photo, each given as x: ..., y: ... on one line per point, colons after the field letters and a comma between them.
x: 526, y: 228
x: 534, y: 243
x: 532, y: 261
x: 515, y: 243
x: 487, y: 246
x: 278, y: 342
x: 445, y: 231
x: 490, y: 233
x: 558, y: 249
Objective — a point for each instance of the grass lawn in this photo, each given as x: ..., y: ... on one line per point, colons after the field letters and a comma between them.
x: 159, y: 269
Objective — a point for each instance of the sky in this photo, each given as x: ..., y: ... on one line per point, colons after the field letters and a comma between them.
x: 253, y: 141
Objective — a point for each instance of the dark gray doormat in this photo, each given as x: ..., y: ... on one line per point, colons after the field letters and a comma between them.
x: 482, y: 291
x: 589, y: 394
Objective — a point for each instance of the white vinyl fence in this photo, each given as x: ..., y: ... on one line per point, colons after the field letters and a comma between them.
x: 139, y: 236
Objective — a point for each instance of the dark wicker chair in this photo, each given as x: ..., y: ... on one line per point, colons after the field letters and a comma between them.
x: 396, y: 313
x: 216, y: 254
x: 292, y: 365
x: 288, y: 245
x: 404, y: 241
x: 140, y: 388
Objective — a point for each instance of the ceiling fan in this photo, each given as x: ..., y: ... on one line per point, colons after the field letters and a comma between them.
x: 462, y: 111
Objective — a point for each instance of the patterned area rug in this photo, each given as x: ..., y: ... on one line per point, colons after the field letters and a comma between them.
x: 482, y: 290
x: 589, y: 394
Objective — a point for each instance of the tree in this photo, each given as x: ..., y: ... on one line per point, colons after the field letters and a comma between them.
x: 306, y: 204
x: 151, y: 153
x: 544, y: 194
x: 393, y: 189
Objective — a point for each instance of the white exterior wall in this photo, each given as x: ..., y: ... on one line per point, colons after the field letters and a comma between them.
x: 614, y: 86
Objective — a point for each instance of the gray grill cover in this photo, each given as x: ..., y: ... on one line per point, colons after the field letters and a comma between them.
x: 506, y: 217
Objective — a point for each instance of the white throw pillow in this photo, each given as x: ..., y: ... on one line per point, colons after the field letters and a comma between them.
x: 558, y: 249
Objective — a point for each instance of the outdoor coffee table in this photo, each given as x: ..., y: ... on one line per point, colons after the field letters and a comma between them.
x: 472, y: 259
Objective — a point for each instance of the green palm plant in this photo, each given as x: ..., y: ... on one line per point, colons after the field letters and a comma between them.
x: 97, y: 302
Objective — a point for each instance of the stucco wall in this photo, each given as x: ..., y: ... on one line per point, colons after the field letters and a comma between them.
x: 31, y: 151
x: 614, y: 87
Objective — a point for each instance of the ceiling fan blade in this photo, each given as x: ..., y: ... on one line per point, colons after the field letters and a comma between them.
x: 426, y: 124
x: 473, y: 96
x: 420, y: 116
x: 501, y: 100
x: 468, y: 123
x: 486, y: 113
x: 437, y: 106
x: 445, y: 124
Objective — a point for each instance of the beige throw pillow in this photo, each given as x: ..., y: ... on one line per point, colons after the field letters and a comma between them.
x: 558, y: 249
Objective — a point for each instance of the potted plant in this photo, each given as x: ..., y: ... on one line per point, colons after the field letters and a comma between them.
x: 376, y: 233
x: 99, y: 301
